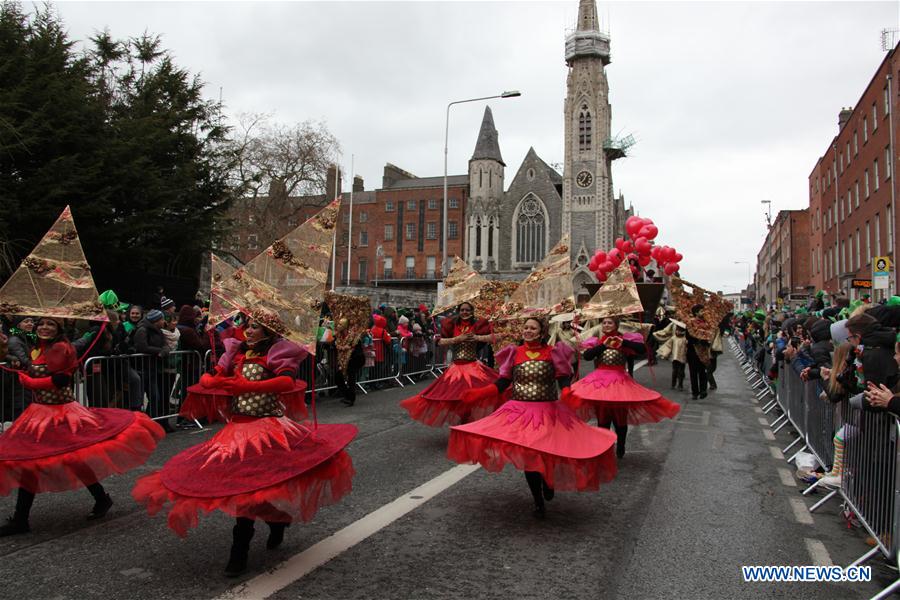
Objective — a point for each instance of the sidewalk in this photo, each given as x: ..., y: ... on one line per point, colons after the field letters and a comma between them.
x: 727, y: 498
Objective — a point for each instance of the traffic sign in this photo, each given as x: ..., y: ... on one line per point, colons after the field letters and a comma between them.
x: 881, y: 272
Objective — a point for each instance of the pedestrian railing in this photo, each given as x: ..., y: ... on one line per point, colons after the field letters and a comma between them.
x: 870, y: 478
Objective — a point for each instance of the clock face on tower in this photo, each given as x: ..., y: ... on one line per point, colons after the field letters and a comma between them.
x: 584, y: 179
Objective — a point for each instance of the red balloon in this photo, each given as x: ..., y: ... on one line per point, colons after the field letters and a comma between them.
x: 600, y: 255
x: 614, y: 255
x: 671, y: 268
x: 677, y: 257
x: 592, y: 265
x: 627, y: 247
x: 644, y: 260
x: 652, y: 231
x: 669, y: 254
x: 601, y: 277
x: 633, y: 224
x: 654, y: 252
x: 619, y: 243
x: 606, y: 266
x: 642, y: 246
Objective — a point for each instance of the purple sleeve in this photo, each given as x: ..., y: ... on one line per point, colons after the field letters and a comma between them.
x: 232, y: 346
x: 285, y: 356
x: 633, y: 337
x: 589, y: 343
x: 562, y: 359
x: 506, y: 359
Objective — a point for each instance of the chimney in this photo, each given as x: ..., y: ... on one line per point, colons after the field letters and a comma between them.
x: 844, y: 117
x: 358, y: 185
x: 330, y: 182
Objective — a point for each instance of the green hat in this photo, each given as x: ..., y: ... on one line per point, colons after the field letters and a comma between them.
x: 820, y: 293
x: 802, y: 310
x: 893, y: 301
x: 109, y: 300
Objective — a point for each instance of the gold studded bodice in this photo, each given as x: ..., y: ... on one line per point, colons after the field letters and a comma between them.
x: 254, y: 404
x: 534, y: 381
x: 54, y: 396
x: 610, y: 357
x: 465, y: 351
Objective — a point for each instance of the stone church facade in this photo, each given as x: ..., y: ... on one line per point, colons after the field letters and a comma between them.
x: 509, y: 230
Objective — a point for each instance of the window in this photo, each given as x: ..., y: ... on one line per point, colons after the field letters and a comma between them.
x: 887, y: 163
x: 887, y: 102
x: 345, y: 237
x: 388, y: 267
x: 344, y: 270
x: 388, y: 206
x: 889, y: 224
x: 363, y: 238
x: 292, y: 221
x: 410, y: 231
x: 856, y: 192
x: 841, y: 162
x: 346, y: 217
x: 877, y: 235
x: 874, y: 116
x: 856, y: 254
x: 865, y: 129
x: 866, y: 183
x: 410, y: 267
x: 848, y: 152
x: 363, y: 216
x: 388, y: 233
x: 431, y: 232
x: 251, y: 219
x: 252, y: 242
x: 235, y: 242
x: 843, y: 258
x: 855, y: 144
x: 531, y: 225
x: 429, y: 267
x: 363, y: 269
x: 410, y: 205
x: 875, y: 173
x: 584, y: 129
x: 452, y: 230
x: 453, y: 202
x: 868, y: 243
x: 432, y: 204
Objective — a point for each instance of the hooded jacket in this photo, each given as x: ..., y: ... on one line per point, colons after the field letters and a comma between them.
x: 821, y: 347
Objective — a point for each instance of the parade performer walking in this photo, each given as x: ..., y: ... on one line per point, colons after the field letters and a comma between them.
x: 609, y: 393
x: 440, y: 403
x: 57, y: 444
x: 534, y: 431
x: 262, y: 464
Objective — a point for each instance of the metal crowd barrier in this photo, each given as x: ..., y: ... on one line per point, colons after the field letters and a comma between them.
x: 416, y: 358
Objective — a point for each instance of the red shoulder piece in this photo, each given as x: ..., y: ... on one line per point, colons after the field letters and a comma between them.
x: 447, y: 326
x: 482, y: 327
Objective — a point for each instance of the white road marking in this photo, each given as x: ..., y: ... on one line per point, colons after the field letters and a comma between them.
x: 787, y: 478
x: 768, y: 434
x: 776, y: 453
x: 763, y: 421
x: 801, y: 513
x: 818, y: 552
x: 757, y: 409
x: 645, y: 436
x: 300, y: 565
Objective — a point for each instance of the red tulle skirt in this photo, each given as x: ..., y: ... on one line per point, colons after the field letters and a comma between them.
x: 213, y: 404
x: 259, y: 468
x: 60, y: 447
x: 546, y: 437
x: 613, y: 395
x: 439, y: 404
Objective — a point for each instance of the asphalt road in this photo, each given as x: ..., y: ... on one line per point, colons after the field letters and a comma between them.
x: 694, y: 500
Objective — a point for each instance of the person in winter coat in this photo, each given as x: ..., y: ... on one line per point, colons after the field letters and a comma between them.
x: 381, y: 341
x: 674, y: 346
x: 149, y: 339
x: 22, y: 339
x: 191, y: 337
x: 819, y: 350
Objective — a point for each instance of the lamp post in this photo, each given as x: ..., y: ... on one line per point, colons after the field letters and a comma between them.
x: 749, y: 276
x: 509, y: 94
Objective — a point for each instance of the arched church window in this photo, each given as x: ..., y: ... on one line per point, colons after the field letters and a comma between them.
x: 478, y: 236
x: 584, y: 129
x: 490, y: 241
x: 531, y: 227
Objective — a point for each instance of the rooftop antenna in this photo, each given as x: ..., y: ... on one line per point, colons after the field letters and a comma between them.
x: 887, y: 39
x: 768, y: 204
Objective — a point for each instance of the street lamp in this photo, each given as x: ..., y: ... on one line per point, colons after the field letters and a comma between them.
x: 510, y: 94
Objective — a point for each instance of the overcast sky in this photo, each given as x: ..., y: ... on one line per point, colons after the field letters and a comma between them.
x: 730, y: 103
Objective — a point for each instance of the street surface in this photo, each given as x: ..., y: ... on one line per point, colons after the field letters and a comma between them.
x: 694, y: 500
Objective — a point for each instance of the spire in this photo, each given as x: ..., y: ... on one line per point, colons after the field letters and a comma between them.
x: 488, y: 144
x: 587, y: 16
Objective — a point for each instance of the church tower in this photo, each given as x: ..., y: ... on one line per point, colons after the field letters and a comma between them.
x: 486, y: 170
x: 588, y: 202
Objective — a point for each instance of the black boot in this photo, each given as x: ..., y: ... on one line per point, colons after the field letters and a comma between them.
x: 18, y: 523
x: 621, y: 434
x: 276, y: 534
x: 535, y: 481
x: 712, y: 381
x: 240, y: 547
x: 549, y: 492
x: 674, y: 377
x: 102, y: 502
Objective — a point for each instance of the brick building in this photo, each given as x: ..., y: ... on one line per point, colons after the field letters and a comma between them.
x: 782, y: 265
x: 852, y: 191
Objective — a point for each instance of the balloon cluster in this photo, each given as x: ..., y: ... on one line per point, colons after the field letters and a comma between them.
x: 638, y: 251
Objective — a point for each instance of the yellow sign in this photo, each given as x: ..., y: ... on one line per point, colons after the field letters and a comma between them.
x: 881, y: 263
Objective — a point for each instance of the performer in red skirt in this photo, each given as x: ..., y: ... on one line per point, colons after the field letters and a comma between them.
x: 440, y: 403
x: 57, y: 444
x: 261, y: 465
x: 609, y: 393
x: 534, y: 431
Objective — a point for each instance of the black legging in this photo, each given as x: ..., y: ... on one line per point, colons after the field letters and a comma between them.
x: 697, y: 371
x: 537, y: 485
x: 25, y: 500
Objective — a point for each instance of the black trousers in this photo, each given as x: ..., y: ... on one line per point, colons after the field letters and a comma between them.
x: 347, y: 386
x: 698, y: 373
x: 677, y: 373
